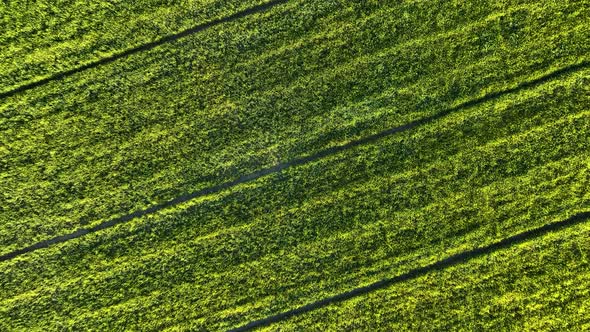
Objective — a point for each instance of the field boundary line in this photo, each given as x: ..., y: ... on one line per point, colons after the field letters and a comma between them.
x: 421, y: 271
x: 296, y: 162
x: 144, y: 47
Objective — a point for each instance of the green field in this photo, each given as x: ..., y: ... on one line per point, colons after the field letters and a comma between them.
x: 203, y: 165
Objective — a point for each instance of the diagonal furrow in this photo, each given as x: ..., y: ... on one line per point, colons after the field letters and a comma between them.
x: 144, y: 47
x: 415, y: 273
x: 279, y: 167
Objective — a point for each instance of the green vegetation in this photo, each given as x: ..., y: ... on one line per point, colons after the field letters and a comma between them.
x: 323, y: 228
x: 43, y: 38
x: 539, y: 286
x: 284, y: 84
x: 223, y: 103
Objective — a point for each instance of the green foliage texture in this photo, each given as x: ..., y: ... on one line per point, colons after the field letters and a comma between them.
x: 269, y: 88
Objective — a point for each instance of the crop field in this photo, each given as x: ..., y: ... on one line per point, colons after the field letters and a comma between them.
x: 295, y: 165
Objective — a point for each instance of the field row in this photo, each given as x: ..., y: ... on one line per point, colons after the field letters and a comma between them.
x: 43, y: 38
x: 319, y: 229
x: 252, y: 93
x: 542, y: 285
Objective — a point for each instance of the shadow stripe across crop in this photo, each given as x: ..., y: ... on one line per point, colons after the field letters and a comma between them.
x: 418, y: 272
x: 143, y: 47
x: 300, y: 161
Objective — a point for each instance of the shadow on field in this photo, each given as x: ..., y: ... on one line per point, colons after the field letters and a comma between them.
x: 415, y: 273
x: 279, y: 167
